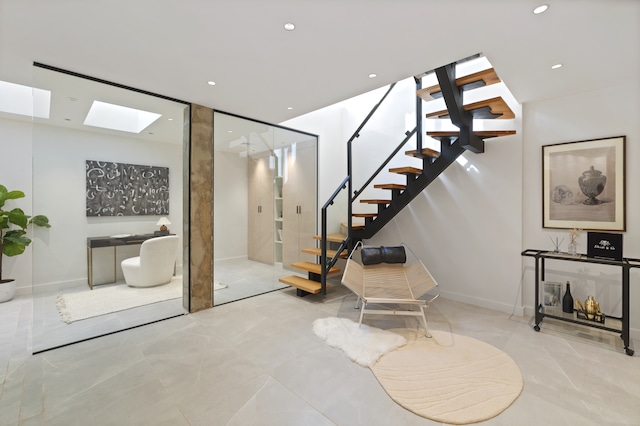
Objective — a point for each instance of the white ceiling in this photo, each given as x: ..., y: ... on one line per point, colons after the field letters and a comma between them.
x: 174, y: 47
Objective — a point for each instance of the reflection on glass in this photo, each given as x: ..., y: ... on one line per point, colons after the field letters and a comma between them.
x: 79, y: 290
x: 257, y: 222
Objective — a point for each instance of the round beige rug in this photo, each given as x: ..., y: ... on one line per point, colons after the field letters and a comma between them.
x: 450, y: 378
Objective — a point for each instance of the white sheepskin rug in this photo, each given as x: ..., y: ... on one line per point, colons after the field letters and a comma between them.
x: 363, y: 345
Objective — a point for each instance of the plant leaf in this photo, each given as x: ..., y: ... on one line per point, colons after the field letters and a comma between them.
x: 17, y: 217
x: 12, y: 249
x: 40, y: 220
x: 12, y: 195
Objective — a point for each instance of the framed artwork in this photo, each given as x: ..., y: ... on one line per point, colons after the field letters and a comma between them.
x: 552, y: 295
x: 583, y: 185
x: 120, y: 189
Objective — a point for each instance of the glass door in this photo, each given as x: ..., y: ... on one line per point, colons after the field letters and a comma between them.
x: 252, y: 161
x: 108, y: 173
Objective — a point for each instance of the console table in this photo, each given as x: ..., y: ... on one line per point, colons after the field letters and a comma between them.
x: 113, y: 241
x: 616, y: 325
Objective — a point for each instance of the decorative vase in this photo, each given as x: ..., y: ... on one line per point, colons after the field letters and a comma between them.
x: 591, y: 307
x: 567, y: 300
x: 7, y: 290
x: 592, y: 183
x: 571, y: 249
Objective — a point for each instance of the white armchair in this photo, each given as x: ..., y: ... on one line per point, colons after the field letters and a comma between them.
x: 155, y: 264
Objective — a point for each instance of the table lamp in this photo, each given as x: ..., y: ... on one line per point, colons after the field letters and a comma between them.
x: 163, y: 222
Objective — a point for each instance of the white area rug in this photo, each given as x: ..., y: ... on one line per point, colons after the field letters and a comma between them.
x: 450, y: 378
x: 102, y: 301
x: 362, y: 344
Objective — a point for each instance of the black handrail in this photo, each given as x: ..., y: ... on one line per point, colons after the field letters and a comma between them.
x: 349, y: 184
x: 373, y: 110
x: 323, y: 235
x: 383, y: 165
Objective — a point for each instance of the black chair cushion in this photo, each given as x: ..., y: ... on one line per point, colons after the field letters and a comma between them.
x: 375, y: 255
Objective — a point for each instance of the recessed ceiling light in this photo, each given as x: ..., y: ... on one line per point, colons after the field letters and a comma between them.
x: 229, y: 131
x: 211, y: 83
x: 289, y: 26
x: 542, y: 8
x: 556, y: 66
x: 289, y: 107
x: 373, y: 75
x: 170, y: 119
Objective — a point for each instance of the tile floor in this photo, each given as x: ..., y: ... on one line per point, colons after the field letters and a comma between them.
x: 245, y: 278
x: 257, y: 362
x: 49, y: 331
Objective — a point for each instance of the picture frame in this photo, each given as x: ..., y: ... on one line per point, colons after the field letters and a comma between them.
x: 583, y: 185
x: 552, y: 295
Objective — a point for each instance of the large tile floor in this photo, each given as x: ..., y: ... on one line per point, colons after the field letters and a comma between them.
x: 257, y: 362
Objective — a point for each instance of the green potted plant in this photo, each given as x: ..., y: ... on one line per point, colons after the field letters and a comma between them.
x: 13, y: 239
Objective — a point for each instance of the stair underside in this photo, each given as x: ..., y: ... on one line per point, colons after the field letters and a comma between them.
x: 426, y: 152
x: 488, y: 108
x: 353, y: 225
x: 312, y: 267
x: 318, y: 252
x: 390, y: 186
x: 332, y: 238
x: 480, y: 133
x: 375, y: 201
x: 471, y: 81
x: 406, y: 170
x: 313, y: 287
x: 364, y: 215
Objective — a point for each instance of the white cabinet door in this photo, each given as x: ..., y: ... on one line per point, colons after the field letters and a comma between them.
x: 261, y: 210
x: 299, y: 202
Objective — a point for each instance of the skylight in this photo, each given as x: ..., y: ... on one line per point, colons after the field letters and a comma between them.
x: 24, y: 100
x: 116, y: 117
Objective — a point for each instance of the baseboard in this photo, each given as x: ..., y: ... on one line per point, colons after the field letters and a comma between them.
x: 484, y: 303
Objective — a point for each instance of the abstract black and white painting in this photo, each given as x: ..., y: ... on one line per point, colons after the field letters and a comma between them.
x: 119, y: 189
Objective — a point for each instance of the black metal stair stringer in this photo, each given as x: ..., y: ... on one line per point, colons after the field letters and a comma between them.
x: 452, y: 95
x: 450, y: 152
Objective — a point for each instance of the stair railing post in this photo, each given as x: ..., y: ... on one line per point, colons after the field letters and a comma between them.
x: 418, y: 115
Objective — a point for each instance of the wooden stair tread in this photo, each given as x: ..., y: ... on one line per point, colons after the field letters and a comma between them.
x: 310, y: 286
x: 333, y: 238
x: 316, y: 251
x: 487, y: 76
x: 497, y: 105
x: 480, y: 133
x: 406, y: 170
x: 363, y: 215
x: 425, y: 152
x: 312, y: 267
x: 390, y: 186
x: 376, y: 201
x: 353, y: 225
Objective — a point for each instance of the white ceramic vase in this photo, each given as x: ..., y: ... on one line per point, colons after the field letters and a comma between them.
x: 7, y: 290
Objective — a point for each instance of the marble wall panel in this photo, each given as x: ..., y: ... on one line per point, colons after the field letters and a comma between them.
x: 201, y: 209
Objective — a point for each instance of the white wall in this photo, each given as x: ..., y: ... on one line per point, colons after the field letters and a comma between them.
x: 59, y: 156
x: 602, y: 113
x: 15, y: 174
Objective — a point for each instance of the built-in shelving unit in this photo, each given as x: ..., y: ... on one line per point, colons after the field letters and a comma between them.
x: 278, y: 214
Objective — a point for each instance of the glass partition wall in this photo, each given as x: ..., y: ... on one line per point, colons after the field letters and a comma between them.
x: 107, y: 171
x: 265, y: 205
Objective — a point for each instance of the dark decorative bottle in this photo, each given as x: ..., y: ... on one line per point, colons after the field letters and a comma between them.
x: 567, y: 300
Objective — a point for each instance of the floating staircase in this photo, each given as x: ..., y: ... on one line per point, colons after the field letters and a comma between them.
x: 312, y: 284
x: 434, y: 162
